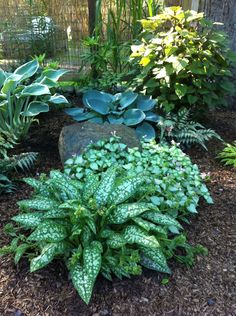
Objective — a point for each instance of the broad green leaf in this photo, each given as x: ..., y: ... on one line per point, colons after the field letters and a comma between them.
x: 105, y: 187
x: 48, y: 253
x: 126, y: 211
x: 150, y: 264
x: 135, y: 235
x: 116, y: 241
x: 54, y: 75
x: 161, y: 219
x: 28, y: 219
x: 49, y: 231
x: 40, y: 204
x: 180, y: 90
x: 127, y: 188
x: 58, y: 99
x: 148, y: 226
x: 156, y: 256
x: 90, y: 186
x: 27, y: 70
x: 35, y: 108
x: 35, y: 89
x: 55, y: 213
x: 10, y: 83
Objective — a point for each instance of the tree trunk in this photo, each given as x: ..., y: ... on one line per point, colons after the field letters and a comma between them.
x: 92, y: 15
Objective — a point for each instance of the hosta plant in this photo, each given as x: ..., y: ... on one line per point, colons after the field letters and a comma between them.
x: 22, y: 99
x: 228, y: 155
x: 177, y: 183
x: 181, y: 129
x: 183, y: 60
x: 127, y: 108
x: 104, y: 225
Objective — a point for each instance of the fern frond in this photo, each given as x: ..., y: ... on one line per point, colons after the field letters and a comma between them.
x: 228, y: 155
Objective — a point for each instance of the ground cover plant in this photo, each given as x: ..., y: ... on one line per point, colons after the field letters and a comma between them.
x: 22, y: 99
x: 183, y: 61
x: 127, y: 108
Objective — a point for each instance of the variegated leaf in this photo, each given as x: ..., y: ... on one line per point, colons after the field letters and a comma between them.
x: 161, y: 219
x: 40, y: 204
x: 135, y: 235
x: 48, y: 253
x: 149, y: 264
x: 116, y: 241
x: 20, y: 251
x: 29, y: 219
x: 91, y: 185
x: 83, y: 277
x: 125, y: 190
x: 155, y: 255
x: 39, y: 187
x: 126, y: 211
x: 56, y: 213
x: 105, y: 187
x: 148, y: 226
x: 49, y: 231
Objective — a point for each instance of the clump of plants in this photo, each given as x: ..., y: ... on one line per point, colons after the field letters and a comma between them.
x: 228, y: 155
x: 184, y: 61
x: 22, y: 99
x: 127, y: 108
x: 104, y: 225
x: 176, y: 182
x: 181, y: 129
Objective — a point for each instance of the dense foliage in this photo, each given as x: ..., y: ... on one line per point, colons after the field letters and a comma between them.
x: 183, y: 61
x: 23, y: 97
x: 177, y: 183
x: 127, y: 108
x: 105, y: 225
x: 181, y: 129
x: 228, y: 155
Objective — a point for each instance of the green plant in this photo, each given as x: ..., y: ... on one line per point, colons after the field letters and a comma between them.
x: 100, y: 226
x: 179, y: 128
x: 183, y: 61
x: 21, y: 100
x: 126, y: 108
x: 228, y: 155
x: 177, y: 183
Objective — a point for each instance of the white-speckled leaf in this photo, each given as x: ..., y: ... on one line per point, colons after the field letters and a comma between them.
x: 39, y: 187
x: 126, y: 211
x: 116, y: 241
x: 49, y: 231
x: 149, y: 264
x: 91, y: 185
x: 40, y: 204
x: 161, y: 219
x: 30, y: 220
x: 156, y: 256
x: 135, y: 235
x: 148, y: 226
x: 106, y: 185
x: 56, y: 213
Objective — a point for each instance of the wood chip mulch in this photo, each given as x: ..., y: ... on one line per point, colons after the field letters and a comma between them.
x: 209, y: 288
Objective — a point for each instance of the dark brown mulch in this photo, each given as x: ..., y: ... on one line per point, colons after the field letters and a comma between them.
x: 206, y: 289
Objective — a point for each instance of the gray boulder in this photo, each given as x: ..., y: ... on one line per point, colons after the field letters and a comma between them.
x: 74, y: 138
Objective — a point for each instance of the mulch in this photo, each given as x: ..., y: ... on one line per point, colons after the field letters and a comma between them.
x: 209, y: 288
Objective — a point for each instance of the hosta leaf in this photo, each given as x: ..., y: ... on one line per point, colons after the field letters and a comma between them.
x: 49, y: 231
x: 146, y: 131
x: 58, y: 99
x: 35, y: 108
x: 40, y: 204
x: 48, y: 253
x: 133, y: 117
x: 27, y: 70
x: 127, y: 99
x: 28, y: 220
x: 90, y: 186
x: 156, y: 256
x: 126, y: 211
x: 102, y: 193
x: 148, y: 226
x: 146, y: 104
x: 161, y: 219
x: 35, y: 89
x: 127, y: 188
x: 135, y: 235
x: 83, y: 277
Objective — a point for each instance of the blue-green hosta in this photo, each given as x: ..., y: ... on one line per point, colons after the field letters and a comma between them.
x: 177, y: 182
x: 127, y: 108
x: 21, y: 101
x: 102, y: 226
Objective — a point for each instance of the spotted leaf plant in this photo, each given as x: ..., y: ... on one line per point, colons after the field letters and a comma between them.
x: 102, y: 225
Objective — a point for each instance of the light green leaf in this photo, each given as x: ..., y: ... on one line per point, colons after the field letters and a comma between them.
x: 181, y: 90
x: 35, y: 89
x: 102, y: 193
x: 27, y: 70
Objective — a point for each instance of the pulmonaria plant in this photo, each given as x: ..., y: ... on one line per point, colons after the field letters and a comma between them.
x: 104, y: 225
x: 177, y: 183
x: 126, y: 108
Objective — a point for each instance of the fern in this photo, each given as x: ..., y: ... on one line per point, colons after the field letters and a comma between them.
x: 7, y: 141
x: 181, y: 129
x: 228, y: 155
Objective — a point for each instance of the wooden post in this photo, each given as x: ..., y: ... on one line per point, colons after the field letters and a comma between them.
x: 92, y: 15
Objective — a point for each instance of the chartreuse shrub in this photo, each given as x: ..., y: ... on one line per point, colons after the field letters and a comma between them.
x: 228, y: 155
x: 104, y: 225
x: 183, y: 61
x: 177, y: 183
x: 126, y: 108
x: 23, y: 96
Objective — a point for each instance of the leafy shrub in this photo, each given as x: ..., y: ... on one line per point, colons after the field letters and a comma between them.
x: 21, y: 100
x: 126, y: 108
x: 104, y: 225
x: 183, y: 61
x: 228, y: 155
x: 179, y: 128
x: 177, y: 184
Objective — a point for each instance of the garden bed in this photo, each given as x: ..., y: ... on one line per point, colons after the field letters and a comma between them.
x: 206, y: 289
